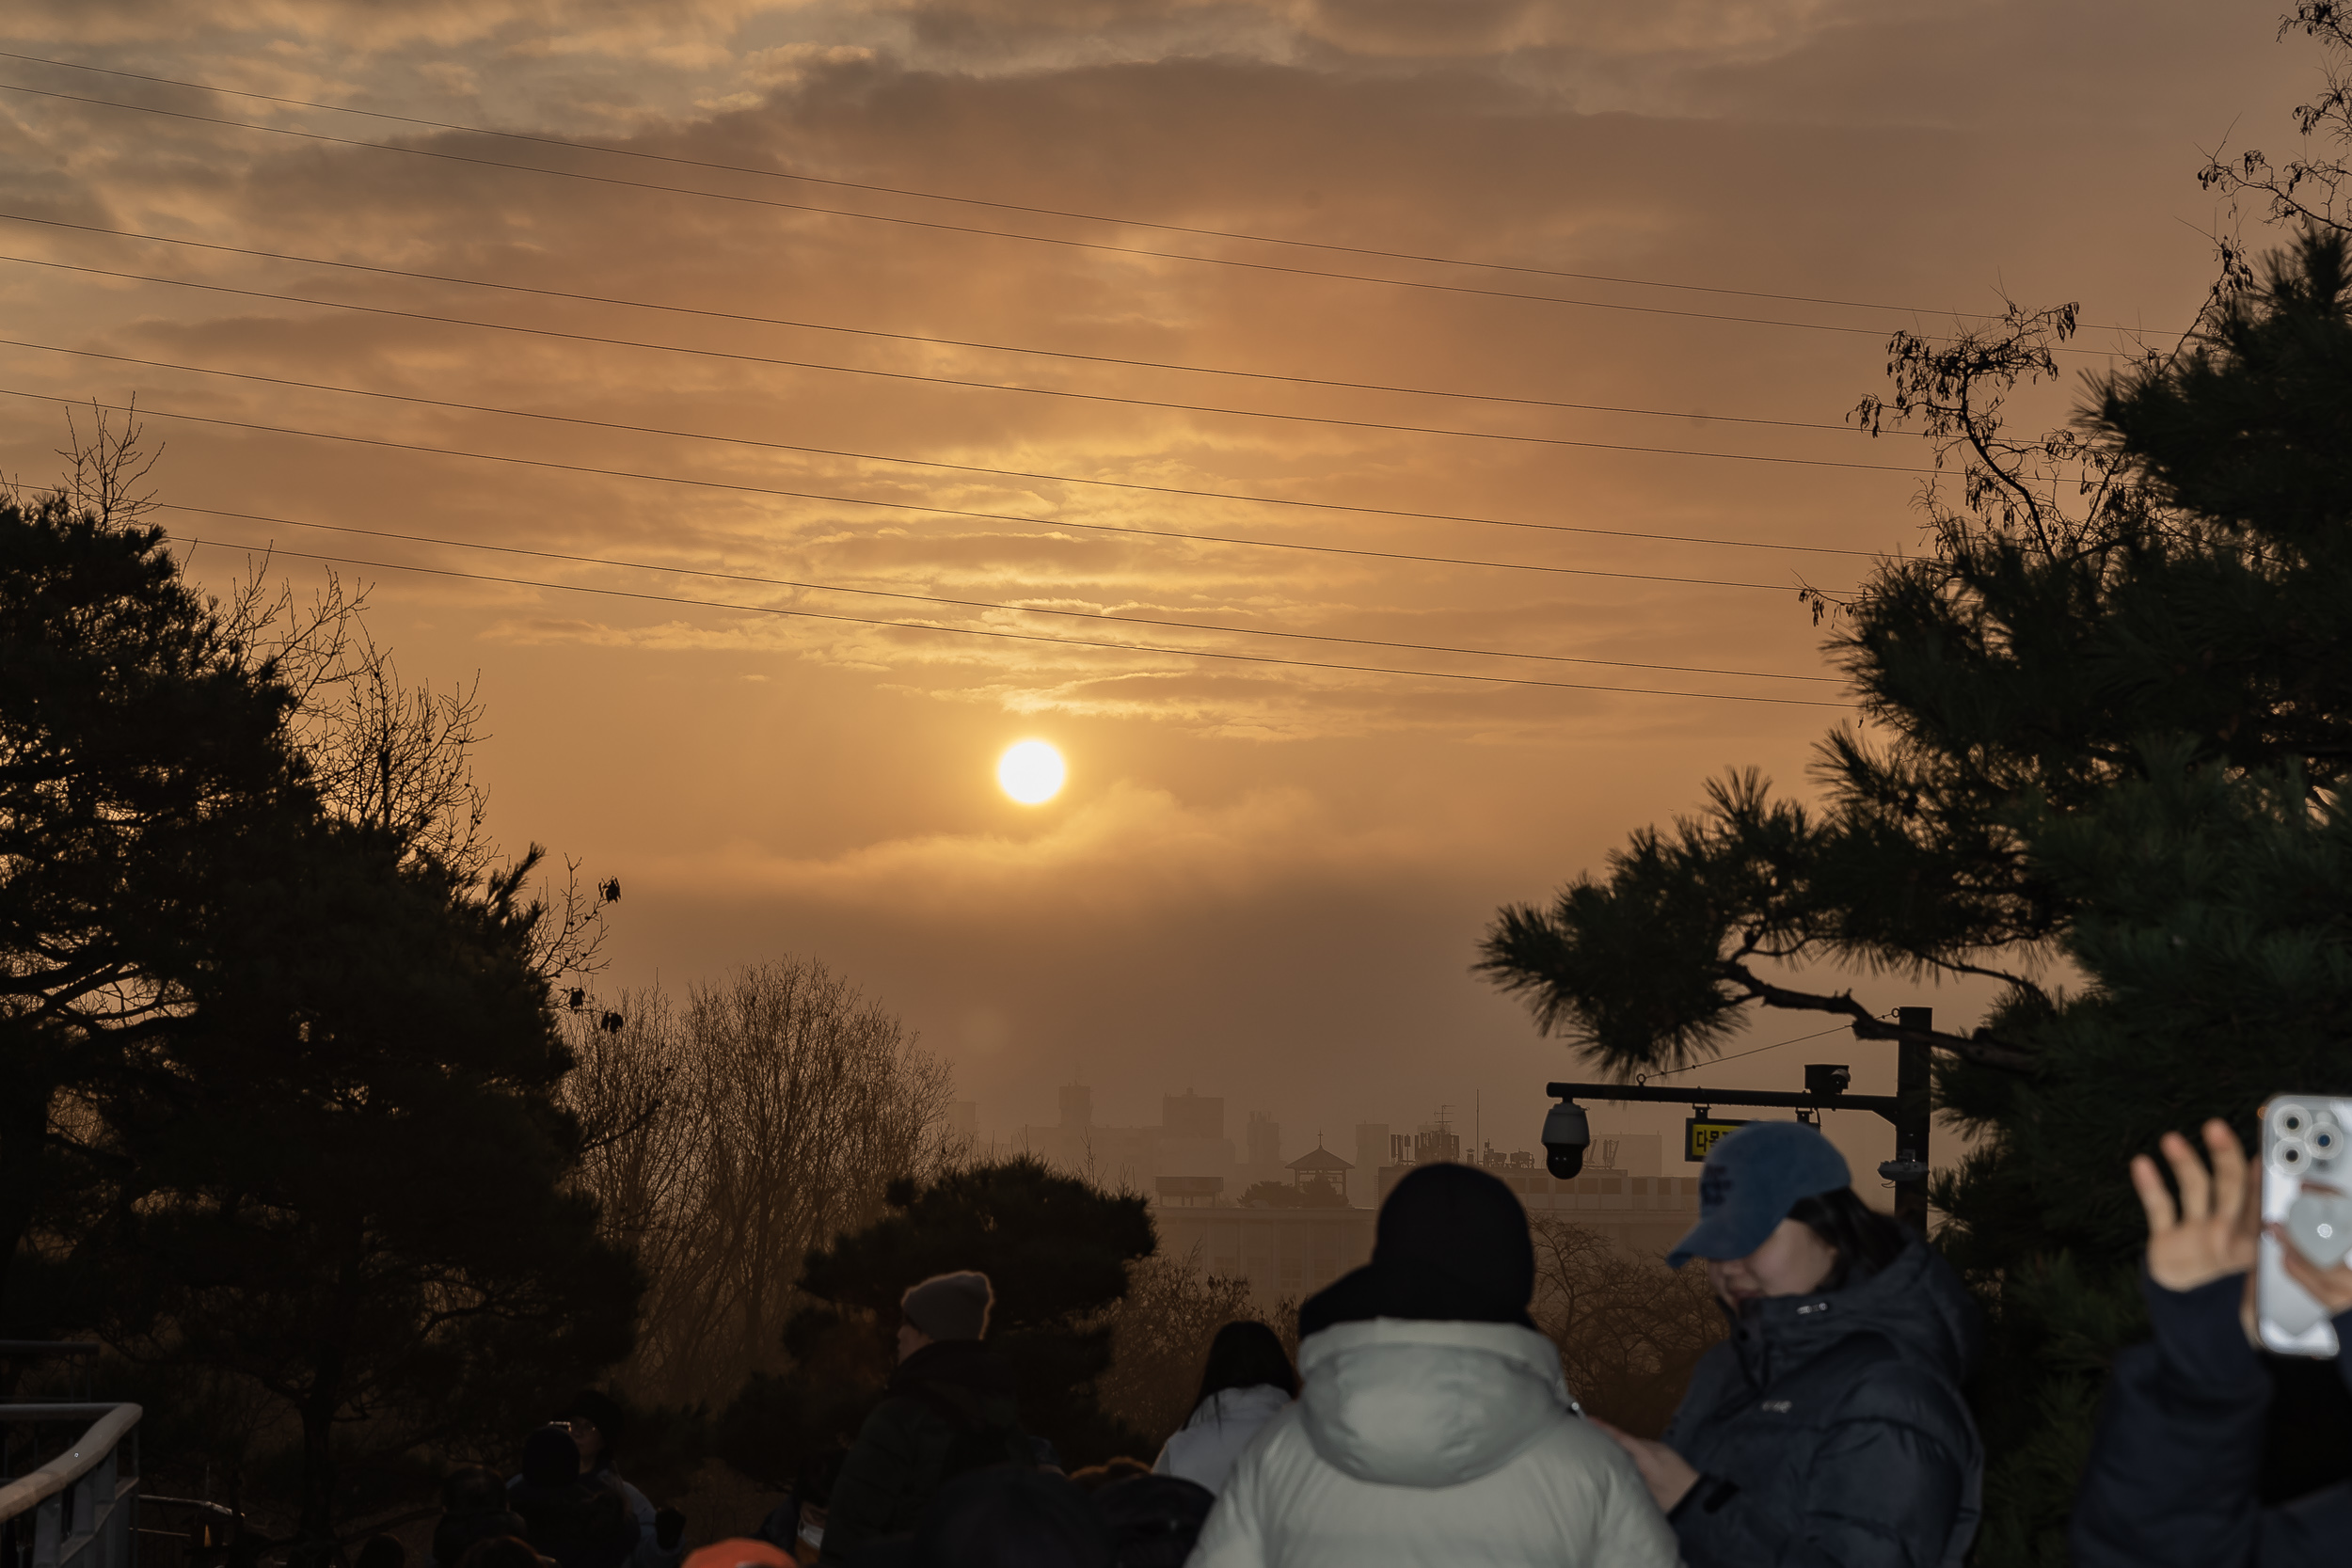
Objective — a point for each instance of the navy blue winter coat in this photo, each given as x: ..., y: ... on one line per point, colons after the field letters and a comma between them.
x: 1829, y: 1431
x: 2174, y: 1468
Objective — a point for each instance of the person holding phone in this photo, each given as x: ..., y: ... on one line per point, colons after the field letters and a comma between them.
x: 2173, y: 1471
x: 1829, y: 1429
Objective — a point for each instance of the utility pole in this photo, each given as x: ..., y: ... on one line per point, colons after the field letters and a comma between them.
x: 1914, y: 1117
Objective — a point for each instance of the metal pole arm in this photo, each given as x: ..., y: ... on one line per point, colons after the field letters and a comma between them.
x: 1886, y: 1105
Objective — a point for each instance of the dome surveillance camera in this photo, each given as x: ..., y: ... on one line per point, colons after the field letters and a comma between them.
x: 1567, y: 1135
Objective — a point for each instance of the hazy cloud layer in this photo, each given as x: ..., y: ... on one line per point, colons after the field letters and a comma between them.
x: 683, y: 395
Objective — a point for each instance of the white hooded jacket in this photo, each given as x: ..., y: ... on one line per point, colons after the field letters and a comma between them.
x: 1221, y: 1428
x: 1435, y: 1443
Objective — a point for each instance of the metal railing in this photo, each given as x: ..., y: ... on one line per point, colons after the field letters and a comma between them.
x: 84, y: 1352
x: 81, y: 1509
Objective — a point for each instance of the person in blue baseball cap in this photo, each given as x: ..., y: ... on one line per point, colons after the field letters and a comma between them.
x: 1829, y: 1427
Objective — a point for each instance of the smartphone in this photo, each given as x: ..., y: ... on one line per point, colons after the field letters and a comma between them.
x: 2307, y: 1187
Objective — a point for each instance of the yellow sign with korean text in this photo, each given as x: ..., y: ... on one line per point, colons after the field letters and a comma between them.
x: 1699, y: 1135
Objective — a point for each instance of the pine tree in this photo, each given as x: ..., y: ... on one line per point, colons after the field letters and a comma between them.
x: 1056, y: 1250
x: 135, y: 751
x: 278, y: 1108
x: 2118, y: 735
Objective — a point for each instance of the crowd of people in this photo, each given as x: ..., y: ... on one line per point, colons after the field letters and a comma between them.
x: 1427, y: 1419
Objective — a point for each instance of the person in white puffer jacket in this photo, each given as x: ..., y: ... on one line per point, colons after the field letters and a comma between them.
x: 1248, y: 1382
x: 1435, y: 1426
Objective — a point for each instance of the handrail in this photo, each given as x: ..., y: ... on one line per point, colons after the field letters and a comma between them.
x: 95, y: 1447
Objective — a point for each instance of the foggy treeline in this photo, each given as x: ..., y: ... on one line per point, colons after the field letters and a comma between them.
x: 731, y: 1133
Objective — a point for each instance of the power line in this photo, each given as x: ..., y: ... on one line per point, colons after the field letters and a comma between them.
x: 1007, y: 473
x: 988, y: 604
x: 1165, y: 405
x: 927, y: 341
x: 975, y: 202
x: 413, y: 399
x: 1008, y: 636
x: 1718, y: 1061
x: 1200, y: 494
x: 895, y: 506
x: 952, y: 227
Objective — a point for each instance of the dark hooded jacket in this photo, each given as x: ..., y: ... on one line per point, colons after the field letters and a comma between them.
x: 1830, y: 1429
x: 2173, y: 1471
x: 566, y: 1515
x: 949, y: 1409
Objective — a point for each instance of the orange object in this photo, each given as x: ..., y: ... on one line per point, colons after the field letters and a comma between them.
x: 739, y: 1553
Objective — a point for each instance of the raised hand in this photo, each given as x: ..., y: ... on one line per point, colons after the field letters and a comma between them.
x: 2211, y: 1234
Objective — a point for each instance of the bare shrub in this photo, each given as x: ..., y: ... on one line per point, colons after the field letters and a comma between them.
x: 729, y: 1137
x: 1160, y: 1337
x: 1630, y: 1330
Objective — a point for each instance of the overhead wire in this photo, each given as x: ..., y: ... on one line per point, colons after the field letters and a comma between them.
x: 1169, y: 406
x: 1012, y: 636
x: 987, y: 604
x: 1718, y: 1061
x: 415, y: 398
x: 738, y: 198
x: 1044, y: 523
x: 1294, y: 501
x: 925, y: 340
x: 969, y: 200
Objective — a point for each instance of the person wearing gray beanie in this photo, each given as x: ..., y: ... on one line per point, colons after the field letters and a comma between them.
x: 949, y: 1409
x: 949, y: 1306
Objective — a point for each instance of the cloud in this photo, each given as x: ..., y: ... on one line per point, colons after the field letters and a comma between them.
x: 1126, y: 849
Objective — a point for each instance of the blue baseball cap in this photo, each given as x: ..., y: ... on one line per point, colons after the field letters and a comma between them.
x: 1751, y: 1179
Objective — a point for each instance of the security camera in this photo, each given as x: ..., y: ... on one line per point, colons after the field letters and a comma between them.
x: 1566, y: 1136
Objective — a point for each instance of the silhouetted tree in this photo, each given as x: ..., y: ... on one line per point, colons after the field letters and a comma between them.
x: 1057, y: 1251
x: 731, y: 1137
x: 278, y: 1100
x: 137, y: 749
x: 1311, y: 1194
x: 2114, y: 714
x: 346, y: 1183
x: 2311, y: 190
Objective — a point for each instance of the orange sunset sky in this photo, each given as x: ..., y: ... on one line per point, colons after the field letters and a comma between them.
x: 1518, y: 327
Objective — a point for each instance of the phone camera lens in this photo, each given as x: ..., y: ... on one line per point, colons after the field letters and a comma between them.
x: 2325, y: 1141
x: 2290, y: 1120
x: 2289, y: 1153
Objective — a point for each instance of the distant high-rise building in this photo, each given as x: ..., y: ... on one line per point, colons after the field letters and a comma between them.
x: 1191, y: 1115
x: 1190, y: 1140
x: 1264, y: 1141
x: 1431, y: 1142
x: 1077, y: 1105
x: 964, y: 1118
x: 1371, y: 1152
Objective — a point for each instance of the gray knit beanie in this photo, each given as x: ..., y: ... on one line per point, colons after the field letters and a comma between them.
x: 950, y: 1305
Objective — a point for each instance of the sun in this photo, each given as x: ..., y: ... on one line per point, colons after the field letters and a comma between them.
x: 1031, y: 772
